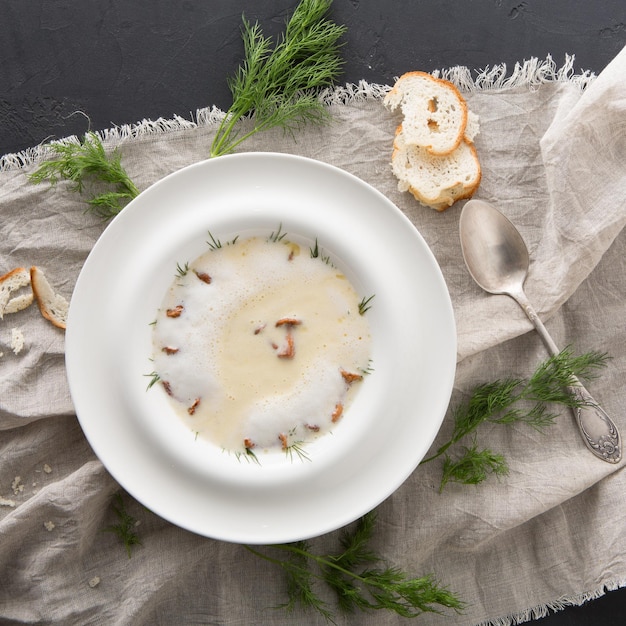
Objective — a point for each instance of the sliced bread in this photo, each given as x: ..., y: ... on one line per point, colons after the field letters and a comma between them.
x: 9, y: 283
x: 53, y: 306
x: 435, y: 113
x: 435, y: 181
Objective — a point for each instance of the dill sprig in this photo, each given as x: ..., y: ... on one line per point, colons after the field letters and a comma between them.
x: 358, y: 576
x: 278, y: 83
x: 86, y: 163
x: 473, y: 466
x: 513, y: 401
x: 126, y: 527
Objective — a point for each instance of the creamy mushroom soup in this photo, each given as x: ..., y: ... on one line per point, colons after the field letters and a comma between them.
x: 260, y: 345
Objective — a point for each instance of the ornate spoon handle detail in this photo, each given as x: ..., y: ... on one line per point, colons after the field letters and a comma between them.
x: 596, y: 428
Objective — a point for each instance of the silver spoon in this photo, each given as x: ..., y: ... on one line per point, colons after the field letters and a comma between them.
x: 497, y: 258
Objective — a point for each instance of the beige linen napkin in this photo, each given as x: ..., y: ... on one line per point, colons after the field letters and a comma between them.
x: 553, y: 150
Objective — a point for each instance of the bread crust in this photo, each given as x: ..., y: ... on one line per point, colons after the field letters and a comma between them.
x: 51, y: 305
x: 427, y: 119
x: 409, y: 161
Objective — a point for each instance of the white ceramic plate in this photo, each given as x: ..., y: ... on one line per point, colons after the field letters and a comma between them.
x: 384, y: 433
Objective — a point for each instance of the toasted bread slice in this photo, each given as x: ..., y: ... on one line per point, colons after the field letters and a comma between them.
x: 13, y: 281
x: 435, y: 113
x: 435, y: 181
x: 52, y: 305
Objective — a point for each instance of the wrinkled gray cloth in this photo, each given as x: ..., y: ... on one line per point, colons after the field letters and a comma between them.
x: 551, y: 533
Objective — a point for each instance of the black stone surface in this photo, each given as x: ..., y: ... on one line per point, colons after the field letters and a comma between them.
x: 67, y: 66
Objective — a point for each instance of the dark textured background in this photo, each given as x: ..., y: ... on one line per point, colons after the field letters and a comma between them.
x: 67, y: 66
x: 119, y: 61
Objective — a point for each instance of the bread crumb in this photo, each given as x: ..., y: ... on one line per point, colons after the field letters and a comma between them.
x: 49, y: 526
x: 17, y: 485
x: 94, y: 582
x: 17, y: 340
x: 7, y: 502
x: 47, y: 469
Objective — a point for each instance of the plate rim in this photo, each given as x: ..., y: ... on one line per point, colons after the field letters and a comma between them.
x: 255, y: 536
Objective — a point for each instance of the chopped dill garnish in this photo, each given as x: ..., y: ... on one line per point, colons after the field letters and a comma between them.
x: 154, y: 379
x: 181, y: 270
x: 277, y: 236
x: 358, y: 576
x: 367, y: 370
x: 248, y: 455
x: 296, y: 448
x: 316, y: 253
x: 365, y: 305
x: 216, y: 244
x: 125, y: 529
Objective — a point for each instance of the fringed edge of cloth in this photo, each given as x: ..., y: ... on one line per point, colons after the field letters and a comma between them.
x: 528, y: 74
x: 555, y: 606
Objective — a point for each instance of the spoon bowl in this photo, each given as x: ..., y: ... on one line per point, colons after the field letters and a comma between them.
x: 494, y: 251
x: 497, y: 259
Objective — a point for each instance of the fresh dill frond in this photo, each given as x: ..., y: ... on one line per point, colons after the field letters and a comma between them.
x: 277, y: 236
x: 365, y: 305
x: 301, y: 590
x: 278, y: 85
x: 473, y: 466
x: 154, y: 379
x: 125, y: 529
x: 550, y: 381
x: 352, y: 575
x: 86, y: 163
x: 514, y: 401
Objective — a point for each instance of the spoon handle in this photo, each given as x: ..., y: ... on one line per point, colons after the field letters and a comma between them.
x: 597, y: 429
